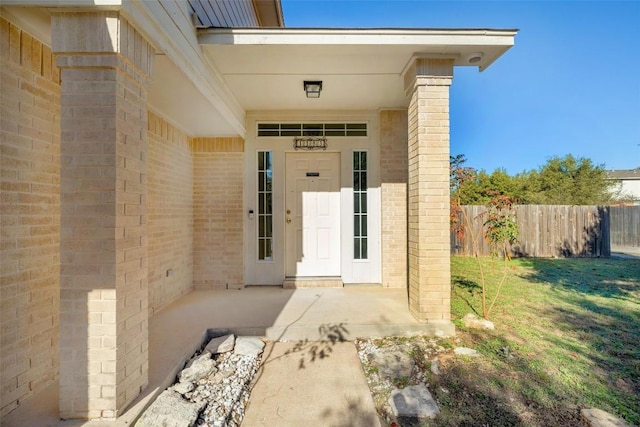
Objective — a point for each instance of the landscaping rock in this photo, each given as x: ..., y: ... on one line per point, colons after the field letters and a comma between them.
x: 473, y: 322
x: 171, y: 410
x: 392, y: 363
x: 413, y: 401
x: 198, y: 368
x: 435, y: 367
x: 183, y: 388
x: 464, y: 351
x: 248, y: 347
x: 598, y: 418
x: 221, y: 344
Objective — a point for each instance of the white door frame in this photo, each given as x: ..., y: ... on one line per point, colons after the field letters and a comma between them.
x: 272, y: 272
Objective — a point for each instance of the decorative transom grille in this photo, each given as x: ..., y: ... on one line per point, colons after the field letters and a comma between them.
x: 310, y: 143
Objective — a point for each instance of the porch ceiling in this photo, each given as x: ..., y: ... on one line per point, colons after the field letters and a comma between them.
x: 360, y: 68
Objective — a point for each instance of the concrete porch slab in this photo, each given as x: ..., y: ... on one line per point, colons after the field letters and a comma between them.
x: 273, y: 313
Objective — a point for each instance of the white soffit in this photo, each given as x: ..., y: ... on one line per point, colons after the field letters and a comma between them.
x: 360, y: 68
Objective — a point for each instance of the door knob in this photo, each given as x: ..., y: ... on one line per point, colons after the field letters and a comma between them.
x: 288, y: 220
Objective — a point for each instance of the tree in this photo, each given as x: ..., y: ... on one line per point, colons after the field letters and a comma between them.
x: 567, y: 181
x: 561, y: 181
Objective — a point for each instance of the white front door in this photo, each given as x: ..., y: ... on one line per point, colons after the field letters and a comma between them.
x: 312, y: 214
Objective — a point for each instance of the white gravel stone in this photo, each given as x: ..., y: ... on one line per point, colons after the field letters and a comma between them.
x: 221, y: 344
x: 248, y: 346
x: 198, y: 368
x: 464, y: 351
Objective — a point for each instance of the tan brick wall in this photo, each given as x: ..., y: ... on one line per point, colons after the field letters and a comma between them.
x: 393, y: 179
x: 170, y: 210
x: 217, y: 212
x: 428, y: 197
x: 30, y: 216
x: 104, y: 285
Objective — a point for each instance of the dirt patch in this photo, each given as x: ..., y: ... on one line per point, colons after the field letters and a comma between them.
x: 470, y: 391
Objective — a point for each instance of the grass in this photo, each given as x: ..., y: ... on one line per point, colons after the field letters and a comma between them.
x: 567, y: 337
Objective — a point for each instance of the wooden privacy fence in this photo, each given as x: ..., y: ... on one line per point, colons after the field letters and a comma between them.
x: 625, y: 226
x: 545, y: 231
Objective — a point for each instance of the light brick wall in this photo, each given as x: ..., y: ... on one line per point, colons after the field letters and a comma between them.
x: 170, y: 210
x: 104, y: 294
x: 218, y: 212
x: 29, y: 216
x: 393, y: 178
x: 427, y: 83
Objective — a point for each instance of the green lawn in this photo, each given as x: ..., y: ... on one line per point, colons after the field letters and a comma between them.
x: 567, y: 337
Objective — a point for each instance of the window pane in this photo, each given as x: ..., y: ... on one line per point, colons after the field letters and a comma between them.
x: 268, y: 133
x: 268, y: 226
x: 356, y: 133
x: 261, y: 249
x: 363, y: 203
x: 268, y: 204
x: 268, y: 250
x: 363, y: 226
x: 363, y: 250
x: 260, y: 181
x: 356, y: 126
x: 363, y: 181
x: 268, y: 126
x: 356, y: 248
x: 267, y: 163
x: 268, y: 186
x: 356, y: 225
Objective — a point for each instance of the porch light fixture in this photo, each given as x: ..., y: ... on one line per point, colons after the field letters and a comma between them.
x: 313, y: 88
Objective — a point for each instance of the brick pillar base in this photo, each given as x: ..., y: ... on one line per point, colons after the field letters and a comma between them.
x: 427, y: 84
x: 104, y: 65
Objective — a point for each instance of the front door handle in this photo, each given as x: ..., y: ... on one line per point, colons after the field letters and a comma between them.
x: 288, y: 220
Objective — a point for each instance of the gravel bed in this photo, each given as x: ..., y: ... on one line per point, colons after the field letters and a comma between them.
x: 221, y: 393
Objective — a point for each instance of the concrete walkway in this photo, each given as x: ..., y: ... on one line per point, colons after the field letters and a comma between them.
x: 311, y: 384
x: 273, y: 313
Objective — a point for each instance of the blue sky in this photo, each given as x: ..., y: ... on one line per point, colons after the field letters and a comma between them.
x: 570, y: 85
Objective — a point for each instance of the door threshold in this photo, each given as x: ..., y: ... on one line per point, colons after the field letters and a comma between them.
x: 313, y: 282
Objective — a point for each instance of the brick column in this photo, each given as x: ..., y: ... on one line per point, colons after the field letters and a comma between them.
x: 427, y: 84
x: 104, y: 66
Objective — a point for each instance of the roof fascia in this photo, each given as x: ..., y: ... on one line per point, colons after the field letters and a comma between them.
x: 345, y: 36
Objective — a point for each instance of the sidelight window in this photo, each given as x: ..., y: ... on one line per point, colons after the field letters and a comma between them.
x: 265, y: 206
x: 360, y: 205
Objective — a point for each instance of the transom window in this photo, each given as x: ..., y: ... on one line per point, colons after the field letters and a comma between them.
x: 312, y: 129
